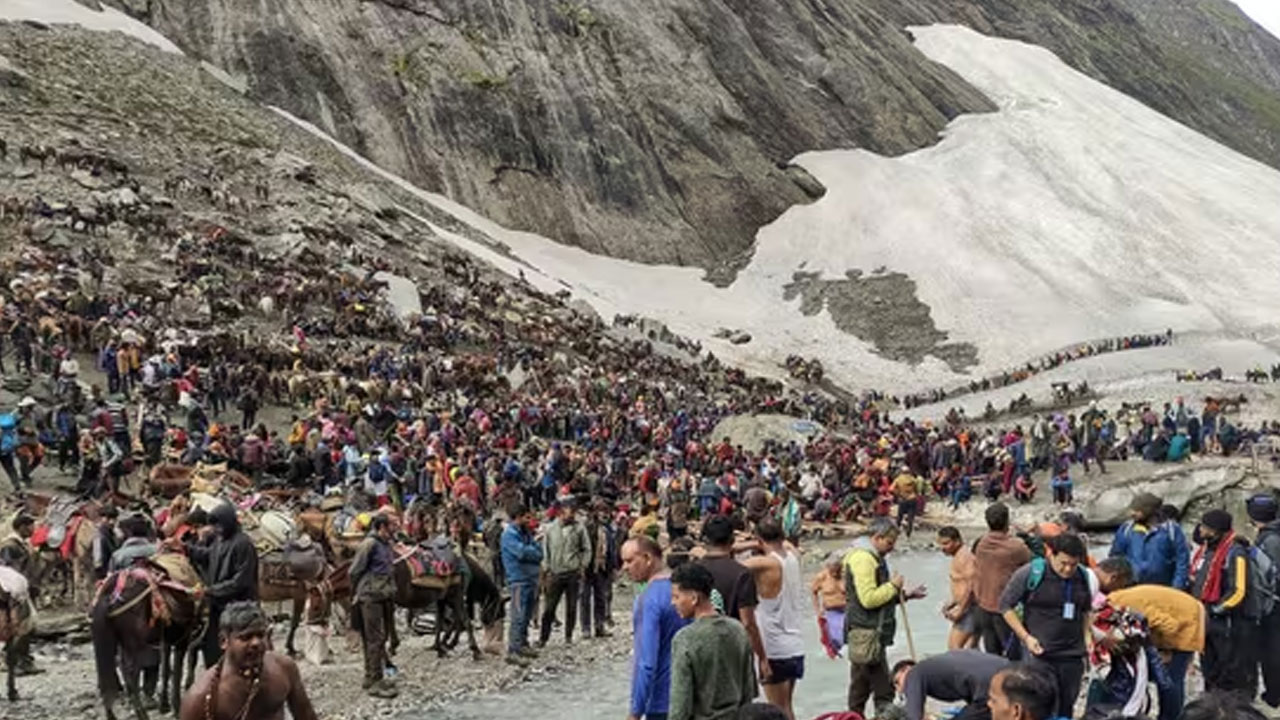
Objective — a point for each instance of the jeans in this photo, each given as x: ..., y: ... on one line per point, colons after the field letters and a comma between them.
x: 907, y: 509
x: 566, y: 585
x: 1172, y: 700
x: 523, y: 597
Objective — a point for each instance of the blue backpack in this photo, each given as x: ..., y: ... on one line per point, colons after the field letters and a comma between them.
x: 8, y: 434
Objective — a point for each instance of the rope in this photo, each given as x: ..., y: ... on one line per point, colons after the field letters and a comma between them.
x: 117, y: 612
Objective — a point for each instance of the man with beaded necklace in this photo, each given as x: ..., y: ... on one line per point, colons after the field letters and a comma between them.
x: 250, y: 682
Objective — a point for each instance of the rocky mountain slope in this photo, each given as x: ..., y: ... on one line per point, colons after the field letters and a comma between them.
x: 662, y: 131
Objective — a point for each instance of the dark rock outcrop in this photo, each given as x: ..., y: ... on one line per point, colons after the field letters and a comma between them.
x: 661, y: 131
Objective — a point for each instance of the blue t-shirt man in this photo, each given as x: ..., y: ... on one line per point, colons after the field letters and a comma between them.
x: 654, y: 621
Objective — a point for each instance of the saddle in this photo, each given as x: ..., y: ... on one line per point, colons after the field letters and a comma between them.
x: 62, y: 520
x: 292, y: 565
x: 432, y: 563
x: 162, y: 575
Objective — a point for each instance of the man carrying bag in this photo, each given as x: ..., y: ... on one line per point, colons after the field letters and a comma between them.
x: 870, y: 624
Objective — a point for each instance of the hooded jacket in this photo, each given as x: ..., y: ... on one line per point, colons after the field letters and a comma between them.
x: 230, y: 564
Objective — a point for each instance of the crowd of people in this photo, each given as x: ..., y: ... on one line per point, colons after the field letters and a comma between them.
x: 1040, y: 629
x: 573, y: 451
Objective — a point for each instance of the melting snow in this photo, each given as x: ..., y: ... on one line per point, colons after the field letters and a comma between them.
x: 70, y: 12
x: 1072, y: 213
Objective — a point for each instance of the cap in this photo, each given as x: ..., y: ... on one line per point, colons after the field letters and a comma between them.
x: 1219, y: 520
x: 1262, y: 508
x: 27, y: 401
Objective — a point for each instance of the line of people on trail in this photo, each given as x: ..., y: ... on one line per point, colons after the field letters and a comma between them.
x: 1031, y: 369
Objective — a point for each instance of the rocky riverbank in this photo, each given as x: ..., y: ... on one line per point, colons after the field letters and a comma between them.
x: 67, y: 688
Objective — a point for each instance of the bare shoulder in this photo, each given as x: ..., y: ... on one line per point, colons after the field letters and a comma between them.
x: 193, y: 700
x: 282, y: 666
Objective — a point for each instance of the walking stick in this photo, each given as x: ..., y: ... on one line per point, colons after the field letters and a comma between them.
x: 906, y: 624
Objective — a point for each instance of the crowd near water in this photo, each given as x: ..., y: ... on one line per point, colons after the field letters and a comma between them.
x: 557, y: 459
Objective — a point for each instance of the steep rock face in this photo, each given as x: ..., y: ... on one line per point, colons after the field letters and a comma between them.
x: 655, y: 131
x: 661, y: 131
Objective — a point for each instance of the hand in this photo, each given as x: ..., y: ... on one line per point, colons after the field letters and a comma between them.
x: 766, y: 672
x: 1033, y: 645
x: 897, y: 581
x: 917, y: 592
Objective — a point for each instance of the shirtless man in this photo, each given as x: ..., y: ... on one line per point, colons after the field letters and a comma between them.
x: 780, y: 591
x: 250, y: 682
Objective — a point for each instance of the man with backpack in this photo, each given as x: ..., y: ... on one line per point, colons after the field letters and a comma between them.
x: 1220, y: 572
x: 1263, y: 512
x: 1155, y: 547
x: 1048, y: 604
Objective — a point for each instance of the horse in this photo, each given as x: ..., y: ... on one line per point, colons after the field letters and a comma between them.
x: 482, y: 591
x: 15, y: 622
x: 445, y: 594
x: 67, y: 550
x: 135, y: 608
x: 297, y: 577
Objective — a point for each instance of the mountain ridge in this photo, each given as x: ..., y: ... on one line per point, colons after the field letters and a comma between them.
x: 664, y: 134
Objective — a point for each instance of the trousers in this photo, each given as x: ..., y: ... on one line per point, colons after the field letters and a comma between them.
x: 996, y: 636
x: 1175, y: 696
x: 594, y: 603
x: 1269, y: 653
x: 565, y: 585
x: 870, y: 680
x: 373, y: 631
x: 1070, y: 674
x: 1230, y: 660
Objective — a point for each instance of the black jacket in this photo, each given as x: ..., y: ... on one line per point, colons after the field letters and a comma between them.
x: 230, y: 568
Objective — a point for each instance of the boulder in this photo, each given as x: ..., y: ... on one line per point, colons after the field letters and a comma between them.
x: 402, y: 293
x: 86, y: 180
x: 752, y: 431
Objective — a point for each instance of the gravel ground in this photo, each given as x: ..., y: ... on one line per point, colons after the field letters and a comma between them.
x: 67, y: 688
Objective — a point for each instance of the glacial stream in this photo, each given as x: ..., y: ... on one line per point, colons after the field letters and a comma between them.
x: 603, y: 692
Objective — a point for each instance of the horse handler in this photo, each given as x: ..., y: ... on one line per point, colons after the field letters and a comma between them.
x: 375, y: 587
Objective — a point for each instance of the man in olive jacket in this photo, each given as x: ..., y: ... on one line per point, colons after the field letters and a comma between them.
x: 566, y: 554
x: 373, y: 578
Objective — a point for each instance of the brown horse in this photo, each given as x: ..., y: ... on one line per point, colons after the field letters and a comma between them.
x: 135, y: 610
x: 286, y: 575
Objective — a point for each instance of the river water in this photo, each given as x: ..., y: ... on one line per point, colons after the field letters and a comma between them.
x: 603, y: 692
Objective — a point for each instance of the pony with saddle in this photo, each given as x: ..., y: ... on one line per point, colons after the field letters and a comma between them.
x: 154, y: 602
